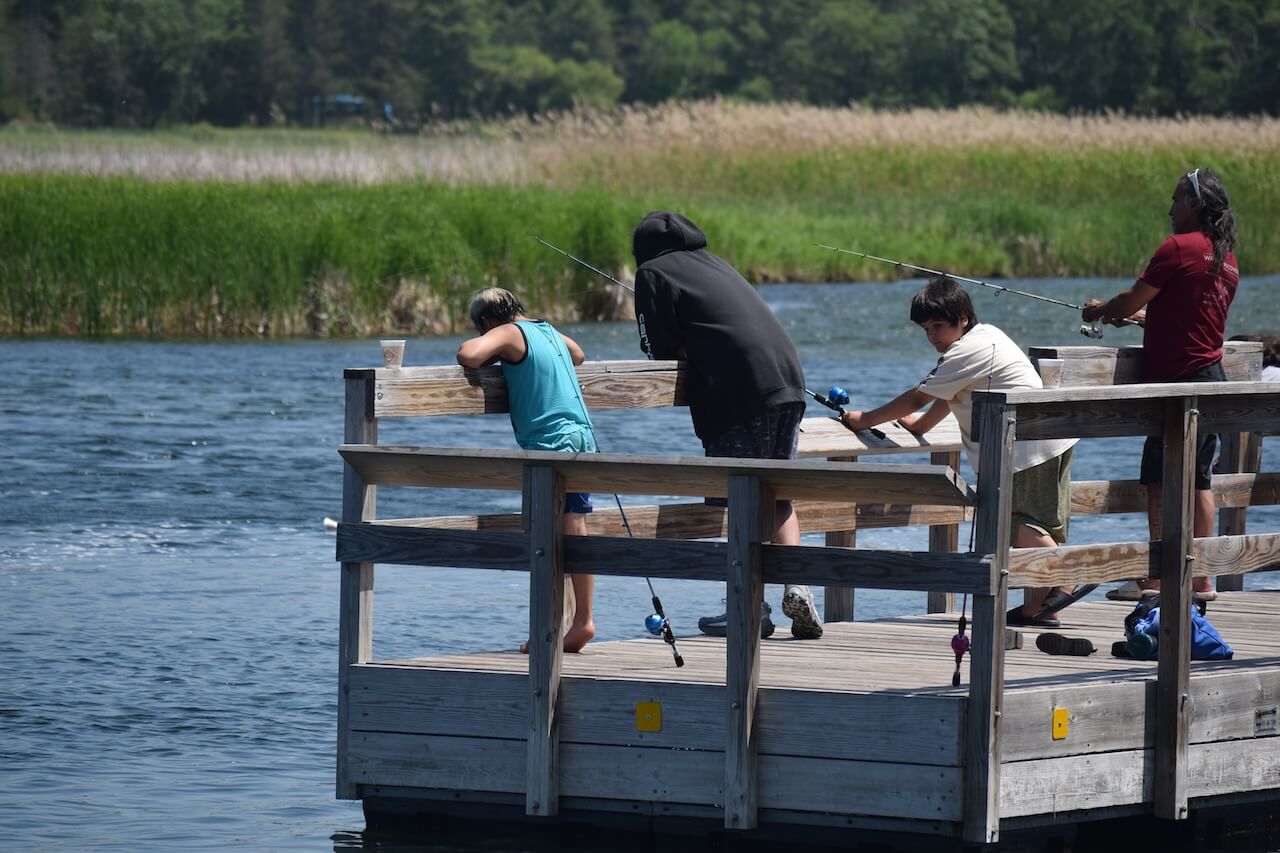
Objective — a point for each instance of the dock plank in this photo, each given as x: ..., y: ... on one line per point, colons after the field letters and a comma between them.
x: 906, y: 654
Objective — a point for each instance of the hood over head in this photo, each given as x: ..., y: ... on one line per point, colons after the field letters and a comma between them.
x: 664, y: 231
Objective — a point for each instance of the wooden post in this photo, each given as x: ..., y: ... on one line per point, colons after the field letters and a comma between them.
x: 1173, y: 712
x: 355, y: 584
x: 944, y: 538
x: 750, y: 521
x: 543, y: 518
x: 838, y: 601
x: 1241, y: 454
x: 995, y: 429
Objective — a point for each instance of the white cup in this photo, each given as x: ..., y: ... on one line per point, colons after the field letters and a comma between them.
x: 1050, y: 371
x: 392, y: 353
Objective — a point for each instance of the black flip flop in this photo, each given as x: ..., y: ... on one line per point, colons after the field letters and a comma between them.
x: 1056, y: 644
x: 1015, y: 619
x: 1057, y: 599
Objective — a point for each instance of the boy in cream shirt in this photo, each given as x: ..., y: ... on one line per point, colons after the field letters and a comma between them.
x: 979, y: 357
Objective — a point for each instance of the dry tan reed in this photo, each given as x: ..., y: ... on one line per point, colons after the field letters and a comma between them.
x: 449, y: 161
x: 562, y: 148
x: 734, y: 126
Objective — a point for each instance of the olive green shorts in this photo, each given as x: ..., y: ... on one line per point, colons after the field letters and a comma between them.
x: 1042, y: 498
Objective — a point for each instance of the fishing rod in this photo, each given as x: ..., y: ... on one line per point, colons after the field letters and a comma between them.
x: 657, y: 622
x: 1089, y: 331
x: 960, y: 642
x: 835, y: 400
x: 576, y: 259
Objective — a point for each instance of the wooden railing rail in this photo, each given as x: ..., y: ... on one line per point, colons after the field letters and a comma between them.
x: 620, y: 473
x: 1176, y: 412
x: 700, y: 521
x: 403, y: 392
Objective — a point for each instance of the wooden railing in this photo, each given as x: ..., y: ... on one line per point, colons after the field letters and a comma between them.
x: 826, y: 493
x: 1177, y: 412
x: 743, y: 561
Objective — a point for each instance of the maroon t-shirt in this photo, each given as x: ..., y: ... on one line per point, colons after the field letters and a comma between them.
x: 1187, y: 319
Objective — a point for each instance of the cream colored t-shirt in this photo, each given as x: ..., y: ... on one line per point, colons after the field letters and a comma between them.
x: 986, y: 360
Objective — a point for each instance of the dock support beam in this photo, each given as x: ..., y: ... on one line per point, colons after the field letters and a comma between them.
x: 944, y: 538
x: 995, y: 427
x: 355, y: 584
x: 1241, y: 454
x: 751, y: 513
x: 1173, y: 702
x: 543, y: 501
x: 838, y: 601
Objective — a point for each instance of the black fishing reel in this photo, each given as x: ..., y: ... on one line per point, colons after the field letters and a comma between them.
x: 658, y: 625
x: 1089, y: 331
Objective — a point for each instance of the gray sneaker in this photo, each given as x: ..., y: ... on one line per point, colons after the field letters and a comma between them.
x: 718, y: 626
x: 798, y: 605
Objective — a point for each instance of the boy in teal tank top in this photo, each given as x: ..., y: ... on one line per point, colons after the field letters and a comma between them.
x: 547, y: 410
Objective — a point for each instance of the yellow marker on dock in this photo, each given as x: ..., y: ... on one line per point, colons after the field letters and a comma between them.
x: 648, y: 716
x: 1061, y: 723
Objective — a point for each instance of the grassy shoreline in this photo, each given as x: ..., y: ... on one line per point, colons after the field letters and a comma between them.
x: 119, y: 251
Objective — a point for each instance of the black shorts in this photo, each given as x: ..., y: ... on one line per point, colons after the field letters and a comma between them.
x: 1153, y: 451
x: 772, y: 434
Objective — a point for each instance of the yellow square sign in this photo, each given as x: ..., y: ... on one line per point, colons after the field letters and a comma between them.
x: 648, y: 716
x: 1061, y: 723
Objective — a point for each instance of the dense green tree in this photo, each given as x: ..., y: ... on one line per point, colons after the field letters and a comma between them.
x: 1090, y: 54
x: 847, y: 51
x: 145, y: 62
x: 962, y: 52
x: 666, y: 63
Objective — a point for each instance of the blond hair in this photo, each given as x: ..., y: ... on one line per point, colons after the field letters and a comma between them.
x: 495, y: 306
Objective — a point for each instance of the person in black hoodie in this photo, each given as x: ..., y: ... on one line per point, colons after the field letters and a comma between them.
x: 746, y: 388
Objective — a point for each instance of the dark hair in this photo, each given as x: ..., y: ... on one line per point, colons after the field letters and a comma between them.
x: 1217, y: 220
x: 494, y: 305
x: 943, y: 299
x: 1270, y: 347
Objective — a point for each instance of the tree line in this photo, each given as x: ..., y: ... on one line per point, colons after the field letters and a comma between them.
x: 143, y: 63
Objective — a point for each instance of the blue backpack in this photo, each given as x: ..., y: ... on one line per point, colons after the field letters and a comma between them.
x: 1142, y: 627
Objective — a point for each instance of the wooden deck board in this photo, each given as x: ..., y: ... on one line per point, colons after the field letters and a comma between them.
x: 908, y: 654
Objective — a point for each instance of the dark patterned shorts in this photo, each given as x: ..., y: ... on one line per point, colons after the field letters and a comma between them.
x: 773, y: 434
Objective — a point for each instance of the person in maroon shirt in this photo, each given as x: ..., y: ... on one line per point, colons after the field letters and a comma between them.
x: 1182, y: 300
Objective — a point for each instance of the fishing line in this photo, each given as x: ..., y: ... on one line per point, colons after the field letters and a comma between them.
x: 1089, y: 331
x: 578, y: 260
x: 961, y: 643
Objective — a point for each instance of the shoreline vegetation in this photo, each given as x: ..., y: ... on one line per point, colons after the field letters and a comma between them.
x: 202, y: 232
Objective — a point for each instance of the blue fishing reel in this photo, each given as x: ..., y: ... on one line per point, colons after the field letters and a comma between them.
x: 654, y: 624
x: 838, y: 395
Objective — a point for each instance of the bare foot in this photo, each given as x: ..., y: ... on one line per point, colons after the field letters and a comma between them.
x: 578, y: 636
x: 574, y: 639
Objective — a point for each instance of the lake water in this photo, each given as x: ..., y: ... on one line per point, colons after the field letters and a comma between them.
x: 169, y: 595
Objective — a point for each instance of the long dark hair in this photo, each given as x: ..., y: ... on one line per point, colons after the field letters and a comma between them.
x: 1217, y: 220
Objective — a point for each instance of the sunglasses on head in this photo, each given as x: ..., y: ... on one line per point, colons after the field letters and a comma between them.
x: 1193, y: 178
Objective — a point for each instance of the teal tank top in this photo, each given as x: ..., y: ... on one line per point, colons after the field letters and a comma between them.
x: 547, y: 411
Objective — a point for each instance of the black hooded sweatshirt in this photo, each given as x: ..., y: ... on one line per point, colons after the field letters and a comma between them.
x: 740, y: 359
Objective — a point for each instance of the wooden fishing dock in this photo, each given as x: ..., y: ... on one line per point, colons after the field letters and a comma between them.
x: 862, y: 729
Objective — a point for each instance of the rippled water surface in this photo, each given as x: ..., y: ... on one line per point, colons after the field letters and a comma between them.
x: 169, y: 595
